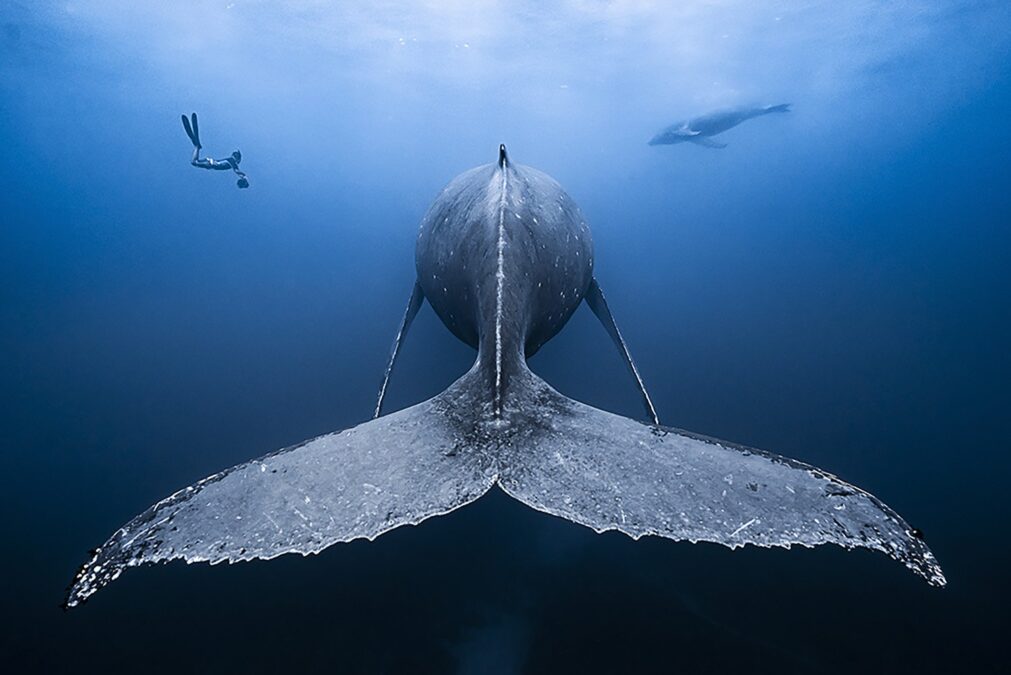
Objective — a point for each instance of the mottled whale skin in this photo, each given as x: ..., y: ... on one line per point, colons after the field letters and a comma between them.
x: 700, y: 129
x: 504, y: 257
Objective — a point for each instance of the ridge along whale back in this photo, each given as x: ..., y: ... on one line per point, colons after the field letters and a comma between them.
x: 510, y: 220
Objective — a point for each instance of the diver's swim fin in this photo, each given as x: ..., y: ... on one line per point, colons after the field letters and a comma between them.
x: 192, y: 130
x: 188, y: 129
x: 196, y: 129
x: 595, y: 300
x: 413, y: 305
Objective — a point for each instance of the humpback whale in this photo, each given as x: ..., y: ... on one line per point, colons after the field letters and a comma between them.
x: 700, y: 130
x: 505, y: 257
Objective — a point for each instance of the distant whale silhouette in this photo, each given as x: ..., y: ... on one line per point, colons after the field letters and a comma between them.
x: 504, y: 257
x: 700, y: 130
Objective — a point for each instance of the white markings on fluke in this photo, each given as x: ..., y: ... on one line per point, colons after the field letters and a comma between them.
x: 743, y: 527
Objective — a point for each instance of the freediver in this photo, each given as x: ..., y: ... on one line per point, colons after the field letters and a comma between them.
x: 232, y: 162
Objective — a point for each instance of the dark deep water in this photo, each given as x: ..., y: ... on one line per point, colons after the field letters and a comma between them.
x: 834, y: 286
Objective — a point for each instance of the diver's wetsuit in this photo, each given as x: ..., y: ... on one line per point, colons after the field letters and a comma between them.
x: 232, y: 162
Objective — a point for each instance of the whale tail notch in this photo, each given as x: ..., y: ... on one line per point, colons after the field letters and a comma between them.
x: 548, y: 451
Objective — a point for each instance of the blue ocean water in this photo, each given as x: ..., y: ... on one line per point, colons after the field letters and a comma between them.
x: 833, y: 286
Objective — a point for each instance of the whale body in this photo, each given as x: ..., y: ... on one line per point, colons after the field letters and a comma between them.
x: 504, y: 257
x: 700, y: 130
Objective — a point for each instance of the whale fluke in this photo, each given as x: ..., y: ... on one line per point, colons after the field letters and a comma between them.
x: 358, y: 483
x: 550, y: 452
x: 608, y: 472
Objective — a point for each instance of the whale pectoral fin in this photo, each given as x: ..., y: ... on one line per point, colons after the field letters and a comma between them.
x: 359, y: 483
x: 688, y: 132
x: 611, y: 473
x: 413, y: 305
x: 595, y: 300
x: 707, y: 142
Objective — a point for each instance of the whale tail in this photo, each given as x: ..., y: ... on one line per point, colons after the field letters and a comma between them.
x: 548, y: 451
x: 608, y: 472
x: 782, y: 108
x: 399, y: 469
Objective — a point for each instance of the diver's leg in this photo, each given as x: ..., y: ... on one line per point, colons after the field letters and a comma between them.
x: 413, y: 305
x: 207, y: 162
x: 595, y: 299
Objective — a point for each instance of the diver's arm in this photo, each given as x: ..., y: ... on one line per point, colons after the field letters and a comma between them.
x: 233, y: 162
x: 243, y: 181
